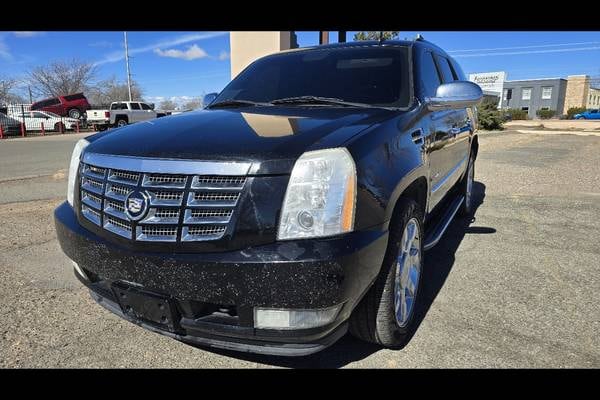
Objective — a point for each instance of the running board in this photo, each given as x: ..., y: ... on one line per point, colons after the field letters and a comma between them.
x: 434, y: 236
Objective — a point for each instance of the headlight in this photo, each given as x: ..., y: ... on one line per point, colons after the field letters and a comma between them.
x: 320, y: 197
x: 81, y: 144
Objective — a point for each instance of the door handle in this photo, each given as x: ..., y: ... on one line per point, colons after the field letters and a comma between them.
x: 417, y: 136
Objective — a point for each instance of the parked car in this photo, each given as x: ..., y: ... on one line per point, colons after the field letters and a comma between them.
x: 297, y: 206
x: 10, y: 126
x: 34, y: 119
x: 589, y: 114
x: 127, y: 112
x: 99, y: 119
x: 73, y: 105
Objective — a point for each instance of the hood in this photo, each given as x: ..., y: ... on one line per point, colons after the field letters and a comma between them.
x: 272, y: 138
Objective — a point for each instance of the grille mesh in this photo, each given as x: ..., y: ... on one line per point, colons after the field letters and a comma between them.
x: 211, y: 196
x: 124, y: 175
x: 206, y: 230
x: 207, y: 207
x: 119, y: 223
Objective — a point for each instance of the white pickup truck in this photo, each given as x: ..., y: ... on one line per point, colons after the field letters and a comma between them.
x: 122, y: 113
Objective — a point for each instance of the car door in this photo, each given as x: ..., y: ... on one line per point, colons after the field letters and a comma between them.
x: 433, y: 128
x: 136, y: 113
x: 55, y: 106
x: 148, y: 111
x: 454, y: 133
x: 594, y: 114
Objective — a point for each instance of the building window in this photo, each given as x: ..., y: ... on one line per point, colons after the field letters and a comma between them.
x: 545, y: 108
x: 526, y: 94
x: 524, y: 108
x: 547, y: 92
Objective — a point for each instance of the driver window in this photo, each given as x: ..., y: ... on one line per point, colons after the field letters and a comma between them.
x: 429, y: 77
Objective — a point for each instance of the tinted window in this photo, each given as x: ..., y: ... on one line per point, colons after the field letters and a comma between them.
x: 429, y: 78
x: 448, y: 75
x: 118, y: 106
x: 75, y: 97
x: 458, y: 70
x: 145, y: 106
x: 53, y: 102
x: 135, y: 106
x: 377, y: 76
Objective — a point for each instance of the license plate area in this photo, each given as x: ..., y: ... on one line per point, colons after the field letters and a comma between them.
x: 147, y: 306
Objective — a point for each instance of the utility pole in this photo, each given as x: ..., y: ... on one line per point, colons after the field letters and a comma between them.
x: 127, y: 63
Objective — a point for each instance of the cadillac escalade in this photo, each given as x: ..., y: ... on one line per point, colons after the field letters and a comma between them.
x: 295, y: 207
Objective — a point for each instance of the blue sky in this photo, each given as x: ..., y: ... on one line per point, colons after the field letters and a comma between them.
x: 189, y: 64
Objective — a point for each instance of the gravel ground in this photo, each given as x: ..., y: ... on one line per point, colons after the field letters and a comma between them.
x: 516, y: 287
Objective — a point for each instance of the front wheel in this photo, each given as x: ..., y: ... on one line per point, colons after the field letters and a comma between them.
x: 74, y: 113
x: 467, y: 188
x: 386, y: 315
x: 59, y: 127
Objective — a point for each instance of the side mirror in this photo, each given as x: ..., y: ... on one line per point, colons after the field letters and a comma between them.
x: 209, y: 98
x: 455, y: 95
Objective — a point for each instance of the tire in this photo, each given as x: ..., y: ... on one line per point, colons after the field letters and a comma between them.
x: 58, y: 126
x: 74, y: 113
x: 466, y: 189
x: 121, y: 122
x: 375, y: 318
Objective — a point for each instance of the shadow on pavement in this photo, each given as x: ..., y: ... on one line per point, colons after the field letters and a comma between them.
x: 439, y: 262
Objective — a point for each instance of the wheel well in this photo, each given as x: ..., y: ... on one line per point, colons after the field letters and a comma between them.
x: 417, y: 191
x: 120, y: 117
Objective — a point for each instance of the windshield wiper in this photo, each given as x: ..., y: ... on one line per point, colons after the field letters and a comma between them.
x: 321, y: 100
x: 236, y: 103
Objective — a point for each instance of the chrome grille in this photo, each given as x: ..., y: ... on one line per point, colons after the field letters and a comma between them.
x: 183, y: 206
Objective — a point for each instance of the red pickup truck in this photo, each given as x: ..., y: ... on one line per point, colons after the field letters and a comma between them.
x: 73, y: 105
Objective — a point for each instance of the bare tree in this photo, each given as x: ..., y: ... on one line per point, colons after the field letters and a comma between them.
x: 107, y: 91
x: 7, y: 91
x: 373, y: 35
x: 193, y: 104
x: 60, y: 78
x: 167, y: 105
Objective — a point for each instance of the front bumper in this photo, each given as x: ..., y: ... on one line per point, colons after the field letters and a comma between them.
x: 303, y: 274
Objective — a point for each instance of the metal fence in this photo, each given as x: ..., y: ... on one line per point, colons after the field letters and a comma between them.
x: 20, y: 120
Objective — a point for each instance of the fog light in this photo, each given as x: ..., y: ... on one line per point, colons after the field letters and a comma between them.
x: 271, y: 318
x: 80, y: 271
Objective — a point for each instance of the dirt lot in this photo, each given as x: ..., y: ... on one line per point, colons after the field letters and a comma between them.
x: 516, y: 287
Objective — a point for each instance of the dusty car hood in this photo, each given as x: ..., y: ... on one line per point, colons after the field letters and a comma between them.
x: 270, y: 137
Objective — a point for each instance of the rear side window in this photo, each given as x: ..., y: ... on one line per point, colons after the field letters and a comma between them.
x: 72, y: 97
x: 118, y: 106
x: 459, y: 71
x: 429, y: 76
x: 448, y: 74
x: 145, y: 106
x: 45, y: 103
x: 135, y: 106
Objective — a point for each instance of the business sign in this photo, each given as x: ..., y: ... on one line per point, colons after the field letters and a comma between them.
x: 489, y: 81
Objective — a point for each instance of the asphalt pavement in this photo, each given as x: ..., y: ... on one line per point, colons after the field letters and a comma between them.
x: 515, y: 287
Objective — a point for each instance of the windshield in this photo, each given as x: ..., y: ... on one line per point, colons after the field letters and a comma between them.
x: 370, y: 75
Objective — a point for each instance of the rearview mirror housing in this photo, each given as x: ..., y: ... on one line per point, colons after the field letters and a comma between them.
x: 454, y: 95
x: 209, y: 98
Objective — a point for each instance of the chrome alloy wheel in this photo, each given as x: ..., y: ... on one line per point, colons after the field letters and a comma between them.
x: 408, y: 272
x: 469, y: 192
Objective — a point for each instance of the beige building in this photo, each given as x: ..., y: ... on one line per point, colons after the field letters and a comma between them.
x: 593, y: 98
x: 248, y: 46
x: 577, y: 94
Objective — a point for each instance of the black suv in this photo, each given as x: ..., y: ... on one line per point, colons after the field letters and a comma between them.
x: 296, y: 206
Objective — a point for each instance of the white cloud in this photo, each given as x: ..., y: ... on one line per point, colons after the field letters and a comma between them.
x: 27, y: 34
x: 119, y: 55
x: 192, y: 53
x: 223, y: 55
